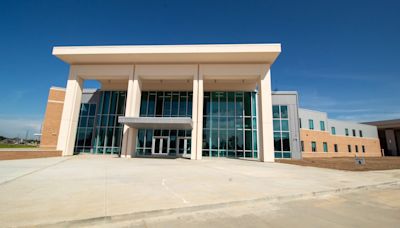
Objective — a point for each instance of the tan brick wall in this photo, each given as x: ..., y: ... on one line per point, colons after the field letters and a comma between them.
x: 372, y: 146
x: 52, y: 118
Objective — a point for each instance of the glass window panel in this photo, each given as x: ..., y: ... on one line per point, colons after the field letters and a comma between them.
x: 223, y: 123
x: 140, y: 139
x: 90, y: 122
x: 182, y: 103
x: 109, y: 137
x: 239, y: 140
x: 84, y: 109
x: 222, y: 103
x: 214, y: 103
x: 83, y: 121
x: 214, y: 122
x: 239, y: 104
x: 247, y: 123
x: 278, y: 154
x: 277, y: 125
x: 222, y: 140
x: 206, y: 122
x: 121, y: 102
x: 159, y: 104
x: 253, y: 104
x: 189, y: 105
x: 277, y: 141
x: 88, y: 137
x: 231, y: 103
x: 325, y: 146
x: 117, y: 137
x: 165, y: 132
x: 255, y: 140
x: 231, y: 140
x: 231, y: 122
x: 287, y: 155
x: 149, y: 137
x: 175, y: 104
x: 106, y: 104
x: 248, y: 140
x: 275, y: 111
x: 322, y: 125
x: 239, y: 122
x: 206, y: 139
x: 151, y: 105
x: 111, y: 120
x: 92, y: 111
x: 143, y: 103
x: 206, y: 153
x: 284, y: 111
x: 285, y: 125
x: 214, y: 139
x: 239, y: 154
x: 285, y: 141
x: 207, y: 104
x: 167, y: 104
x: 254, y: 123
x: 181, y: 133
x: 311, y: 124
x: 247, y: 104
x: 172, y: 138
x: 113, y: 105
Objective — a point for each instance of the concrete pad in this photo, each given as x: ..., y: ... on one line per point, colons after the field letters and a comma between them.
x: 85, y: 187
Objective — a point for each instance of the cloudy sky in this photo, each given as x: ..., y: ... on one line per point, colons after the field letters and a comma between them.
x: 341, y: 56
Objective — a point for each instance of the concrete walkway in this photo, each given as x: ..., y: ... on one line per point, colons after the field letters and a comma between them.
x: 90, y: 188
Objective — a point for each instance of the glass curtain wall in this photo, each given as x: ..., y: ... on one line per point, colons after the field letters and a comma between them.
x: 108, y: 131
x: 281, y: 131
x: 84, y: 135
x: 163, y: 104
x: 230, y: 125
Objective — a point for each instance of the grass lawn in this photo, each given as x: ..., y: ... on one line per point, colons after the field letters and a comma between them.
x: 16, y: 146
x: 375, y: 163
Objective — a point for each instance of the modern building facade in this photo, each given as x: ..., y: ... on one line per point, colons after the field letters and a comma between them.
x: 189, y: 100
x: 389, y: 136
x: 323, y: 137
x: 193, y: 101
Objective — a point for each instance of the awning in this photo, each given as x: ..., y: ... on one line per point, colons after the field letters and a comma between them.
x: 176, y: 123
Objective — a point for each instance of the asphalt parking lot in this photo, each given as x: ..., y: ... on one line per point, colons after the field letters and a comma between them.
x: 93, y: 190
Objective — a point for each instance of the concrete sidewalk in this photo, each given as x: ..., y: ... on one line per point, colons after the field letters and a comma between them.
x: 54, y: 190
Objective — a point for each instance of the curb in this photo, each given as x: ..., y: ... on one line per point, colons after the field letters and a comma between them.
x: 169, y: 211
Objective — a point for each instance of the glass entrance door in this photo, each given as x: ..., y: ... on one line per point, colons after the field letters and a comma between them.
x: 184, y: 146
x: 160, y: 145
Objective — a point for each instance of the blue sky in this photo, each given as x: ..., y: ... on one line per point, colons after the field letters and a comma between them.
x: 341, y: 56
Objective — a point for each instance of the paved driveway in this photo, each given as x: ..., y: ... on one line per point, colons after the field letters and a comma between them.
x: 54, y: 190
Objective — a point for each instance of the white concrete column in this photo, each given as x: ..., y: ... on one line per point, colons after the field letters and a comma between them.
x: 266, y: 139
x: 70, y: 114
x: 200, y: 103
x: 132, y: 109
x: 195, y: 98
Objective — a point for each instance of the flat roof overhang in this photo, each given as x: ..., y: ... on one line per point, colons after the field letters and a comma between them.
x: 176, y: 123
x: 385, y: 124
x: 158, y: 54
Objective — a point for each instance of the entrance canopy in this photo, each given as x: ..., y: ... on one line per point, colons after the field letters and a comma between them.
x: 211, y: 53
x: 177, y: 123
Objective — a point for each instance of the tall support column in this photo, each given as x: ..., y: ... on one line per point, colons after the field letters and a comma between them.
x: 195, y: 100
x: 265, y: 116
x: 131, y: 110
x: 200, y: 103
x: 70, y: 114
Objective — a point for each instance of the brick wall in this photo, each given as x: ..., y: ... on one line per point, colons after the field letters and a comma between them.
x: 372, y: 146
x: 52, y: 118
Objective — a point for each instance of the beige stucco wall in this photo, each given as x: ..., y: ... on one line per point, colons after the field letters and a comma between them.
x: 52, y: 118
x: 372, y: 146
